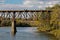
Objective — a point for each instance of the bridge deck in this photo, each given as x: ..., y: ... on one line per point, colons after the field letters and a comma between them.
x: 25, y: 10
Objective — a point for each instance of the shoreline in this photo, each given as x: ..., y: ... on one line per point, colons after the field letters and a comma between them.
x: 51, y: 33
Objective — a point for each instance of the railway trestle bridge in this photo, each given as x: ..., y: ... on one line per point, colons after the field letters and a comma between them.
x: 21, y: 14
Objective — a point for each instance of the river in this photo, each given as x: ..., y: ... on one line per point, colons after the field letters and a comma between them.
x: 23, y: 33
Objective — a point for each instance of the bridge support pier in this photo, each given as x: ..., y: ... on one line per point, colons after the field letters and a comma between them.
x: 13, y: 28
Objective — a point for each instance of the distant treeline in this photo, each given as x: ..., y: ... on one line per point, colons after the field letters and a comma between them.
x: 9, y: 23
x: 19, y: 23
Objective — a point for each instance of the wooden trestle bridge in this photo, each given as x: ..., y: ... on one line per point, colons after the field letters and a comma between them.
x: 26, y: 14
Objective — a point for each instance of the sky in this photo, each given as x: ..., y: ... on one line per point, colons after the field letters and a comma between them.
x: 26, y: 4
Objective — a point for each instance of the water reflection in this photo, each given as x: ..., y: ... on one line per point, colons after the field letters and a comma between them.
x: 24, y: 33
x: 13, y: 34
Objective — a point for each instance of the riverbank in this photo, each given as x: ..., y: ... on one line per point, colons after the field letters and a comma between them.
x: 55, y: 33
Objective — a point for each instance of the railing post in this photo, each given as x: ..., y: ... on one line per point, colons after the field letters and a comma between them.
x: 13, y: 28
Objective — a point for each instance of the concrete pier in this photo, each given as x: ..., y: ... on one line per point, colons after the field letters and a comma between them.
x: 13, y: 28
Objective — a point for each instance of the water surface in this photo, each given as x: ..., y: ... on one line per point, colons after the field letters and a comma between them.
x: 23, y: 33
